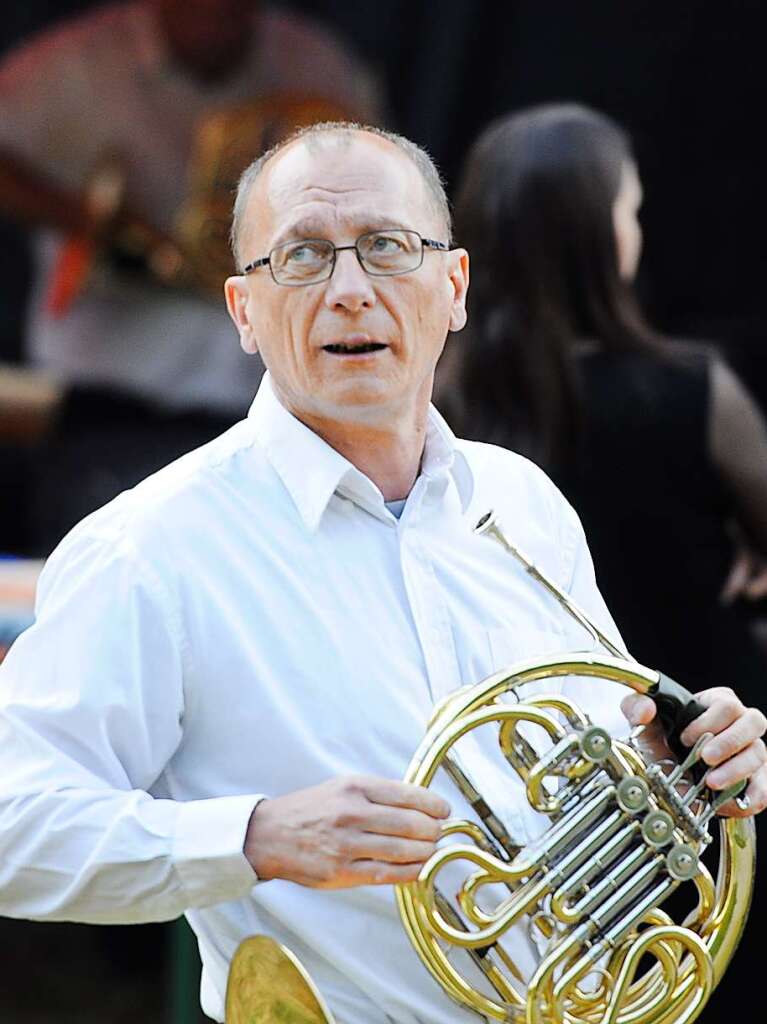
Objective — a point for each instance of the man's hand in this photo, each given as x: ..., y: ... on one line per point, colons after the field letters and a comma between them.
x: 355, y: 830
x: 736, y: 750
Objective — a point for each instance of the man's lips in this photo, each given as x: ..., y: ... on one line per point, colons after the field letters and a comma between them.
x: 359, y: 346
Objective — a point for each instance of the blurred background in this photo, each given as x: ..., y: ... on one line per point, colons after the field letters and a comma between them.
x: 685, y: 79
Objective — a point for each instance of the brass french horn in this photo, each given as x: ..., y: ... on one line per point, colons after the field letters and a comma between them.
x: 267, y: 984
x: 623, y: 835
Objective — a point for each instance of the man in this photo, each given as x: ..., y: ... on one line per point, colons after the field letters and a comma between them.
x: 119, y: 129
x: 276, y: 614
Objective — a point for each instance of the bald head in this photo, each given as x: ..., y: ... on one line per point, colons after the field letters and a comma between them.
x: 342, y: 137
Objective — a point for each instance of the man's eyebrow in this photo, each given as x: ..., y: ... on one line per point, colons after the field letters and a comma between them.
x: 308, y: 227
x: 311, y: 227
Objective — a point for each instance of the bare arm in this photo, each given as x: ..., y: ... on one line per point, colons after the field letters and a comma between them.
x: 737, y: 441
x: 98, y: 213
x: 31, y: 198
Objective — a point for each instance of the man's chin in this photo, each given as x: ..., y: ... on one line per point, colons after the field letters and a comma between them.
x: 361, y: 403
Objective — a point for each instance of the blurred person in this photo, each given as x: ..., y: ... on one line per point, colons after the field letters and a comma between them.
x: 110, y: 125
x: 233, y: 663
x: 656, y: 442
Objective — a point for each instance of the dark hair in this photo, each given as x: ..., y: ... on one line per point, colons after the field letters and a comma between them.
x: 535, y: 211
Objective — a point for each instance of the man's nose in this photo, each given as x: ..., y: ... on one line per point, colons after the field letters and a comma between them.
x: 349, y: 286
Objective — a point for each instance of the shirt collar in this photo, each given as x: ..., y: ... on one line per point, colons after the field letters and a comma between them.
x: 312, y: 471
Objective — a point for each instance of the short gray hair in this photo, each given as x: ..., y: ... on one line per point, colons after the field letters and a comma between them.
x: 423, y: 162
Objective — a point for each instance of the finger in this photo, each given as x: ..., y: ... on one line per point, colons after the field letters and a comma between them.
x: 402, y: 794
x: 638, y: 709
x: 722, y: 708
x: 390, y: 850
x: 756, y: 794
x: 373, y: 872
x: 746, y: 728
x: 742, y: 766
x: 403, y: 822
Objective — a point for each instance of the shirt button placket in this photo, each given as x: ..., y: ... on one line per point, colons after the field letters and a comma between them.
x: 427, y: 601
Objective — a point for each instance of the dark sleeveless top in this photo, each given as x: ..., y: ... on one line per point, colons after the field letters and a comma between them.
x: 655, y: 513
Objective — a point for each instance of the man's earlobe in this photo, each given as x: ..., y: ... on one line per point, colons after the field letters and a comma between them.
x: 236, y: 294
x: 458, y: 318
x: 459, y: 277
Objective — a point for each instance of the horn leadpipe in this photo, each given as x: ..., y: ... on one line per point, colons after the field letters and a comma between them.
x: 489, y: 526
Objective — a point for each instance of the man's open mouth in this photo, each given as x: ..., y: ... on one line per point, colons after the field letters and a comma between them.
x: 354, y: 349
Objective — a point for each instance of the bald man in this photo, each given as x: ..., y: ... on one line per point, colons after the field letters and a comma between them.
x: 233, y: 663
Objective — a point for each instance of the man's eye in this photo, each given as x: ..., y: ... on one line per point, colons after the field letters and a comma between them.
x: 305, y: 253
x: 385, y: 244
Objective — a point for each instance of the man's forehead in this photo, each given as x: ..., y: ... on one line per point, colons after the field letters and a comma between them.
x: 337, y: 175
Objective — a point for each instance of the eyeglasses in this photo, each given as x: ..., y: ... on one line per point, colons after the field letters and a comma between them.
x: 381, y: 253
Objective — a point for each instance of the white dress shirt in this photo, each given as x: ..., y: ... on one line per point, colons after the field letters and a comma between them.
x: 253, y: 620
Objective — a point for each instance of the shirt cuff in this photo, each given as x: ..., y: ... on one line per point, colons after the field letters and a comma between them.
x: 208, y: 849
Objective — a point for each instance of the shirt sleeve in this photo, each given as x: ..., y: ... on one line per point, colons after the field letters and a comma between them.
x: 91, y: 711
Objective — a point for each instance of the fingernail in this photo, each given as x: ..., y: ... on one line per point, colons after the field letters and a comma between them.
x: 714, y: 780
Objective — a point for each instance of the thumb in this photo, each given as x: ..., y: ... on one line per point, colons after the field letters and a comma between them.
x: 638, y: 709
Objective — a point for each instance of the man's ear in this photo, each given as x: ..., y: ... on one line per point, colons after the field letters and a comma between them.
x: 459, y: 279
x: 237, y: 295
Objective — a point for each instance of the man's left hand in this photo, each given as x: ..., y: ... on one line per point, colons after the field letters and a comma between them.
x: 736, y: 750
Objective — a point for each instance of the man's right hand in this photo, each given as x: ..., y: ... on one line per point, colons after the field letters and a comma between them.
x: 354, y: 830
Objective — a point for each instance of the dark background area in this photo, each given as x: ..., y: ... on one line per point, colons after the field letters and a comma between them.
x: 686, y: 79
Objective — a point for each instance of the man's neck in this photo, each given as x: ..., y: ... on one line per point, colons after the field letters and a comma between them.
x: 390, y: 457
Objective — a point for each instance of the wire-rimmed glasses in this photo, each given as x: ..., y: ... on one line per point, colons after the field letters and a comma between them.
x: 382, y: 253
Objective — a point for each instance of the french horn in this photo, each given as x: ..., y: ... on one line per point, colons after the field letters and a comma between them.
x: 622, y: 833
x: 267, y: 984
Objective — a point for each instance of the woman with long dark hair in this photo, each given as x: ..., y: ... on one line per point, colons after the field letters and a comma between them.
x: 655, y: 442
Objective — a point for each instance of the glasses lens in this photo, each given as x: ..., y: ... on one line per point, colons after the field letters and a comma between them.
x: 390, y: 252
x: 301, y: 262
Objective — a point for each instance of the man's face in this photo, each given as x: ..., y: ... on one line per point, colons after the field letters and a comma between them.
x: 337, y: 188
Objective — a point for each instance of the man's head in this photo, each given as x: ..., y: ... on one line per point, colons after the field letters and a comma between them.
x: 209, y: 38
x: 356, y: 346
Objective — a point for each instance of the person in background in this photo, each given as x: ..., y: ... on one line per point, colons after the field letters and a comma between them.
x: 110, y: 126
x: 655, y: 441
